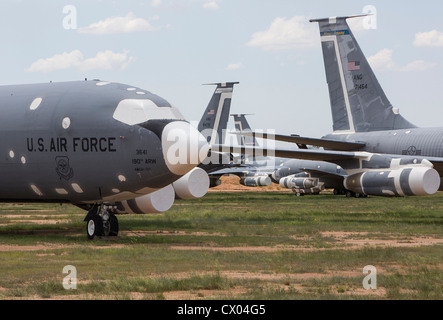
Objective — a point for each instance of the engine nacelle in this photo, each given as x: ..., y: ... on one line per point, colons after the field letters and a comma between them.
x: 298, y: 182
x: 256, y: 181
x: 156, y: 202
x: 193, y: 185
x: 314, y: 190
x: 408, y: 181
x: 280, y: 173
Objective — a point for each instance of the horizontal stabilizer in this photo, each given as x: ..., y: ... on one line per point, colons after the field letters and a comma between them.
x: 338, y: 18
x: 325, y: 143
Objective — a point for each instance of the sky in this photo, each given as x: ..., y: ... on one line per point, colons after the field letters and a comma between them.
x: 173, y: 47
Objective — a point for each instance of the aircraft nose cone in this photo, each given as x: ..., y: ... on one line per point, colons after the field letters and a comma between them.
x: 183, y: 146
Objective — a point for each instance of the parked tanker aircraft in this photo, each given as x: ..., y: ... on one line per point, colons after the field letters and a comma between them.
x: 301, y: 176
x: 382, y: 153
x: 253, y: 171
x: 213, y: 126
x: 105, y: 147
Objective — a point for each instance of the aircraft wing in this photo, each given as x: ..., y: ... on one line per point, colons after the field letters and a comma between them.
x: 326, y: 143
x: 322, y: 173
x: 326, y: 176
x: 305, y: 154
x: 244, y: 169
x: 321, y: 155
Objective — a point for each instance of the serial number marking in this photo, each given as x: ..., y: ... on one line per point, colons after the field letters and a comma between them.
x: 141, y: 152
x: 362, y: 86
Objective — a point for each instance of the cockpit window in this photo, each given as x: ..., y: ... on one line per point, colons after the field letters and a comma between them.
x: 136, y: 111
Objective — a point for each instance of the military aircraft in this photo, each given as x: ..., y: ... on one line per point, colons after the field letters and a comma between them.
x: 241, y: 124
x: 253, y: 171
x: 382, y: 153
x: 213, y: 125
x: 105, y: 147
x: 301, y: 176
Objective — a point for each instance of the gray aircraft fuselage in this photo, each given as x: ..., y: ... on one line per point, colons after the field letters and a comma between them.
x: 63, y: 142
x: 426, y: 142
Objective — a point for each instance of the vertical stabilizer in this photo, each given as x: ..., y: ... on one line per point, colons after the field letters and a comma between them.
x: 358, y: 103
x: 242, y: 125
x: 214, y: 121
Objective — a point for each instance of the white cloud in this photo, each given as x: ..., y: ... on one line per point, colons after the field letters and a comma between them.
x: 383, y: 61
x: 207, y: 4
x: 156, y: 3
x: 234, y: 66
x: 286, y: 34
x: 107, y: 60
x: 57, y: 62
x: 104, y: 60
x: 432, y: 38
x: 418, y: 65
x: 114, y: 25
x: 210, y: 5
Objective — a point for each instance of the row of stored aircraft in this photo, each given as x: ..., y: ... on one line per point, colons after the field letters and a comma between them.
x: 112, y: 148
x: 382, y: 153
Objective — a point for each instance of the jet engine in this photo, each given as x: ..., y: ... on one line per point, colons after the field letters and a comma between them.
x: 256, y: 180
x: 280, y: 173
x: 302, y: 185
x: 156, y: 202
x: 407, y: 181
x: 193, y: 185
x: 298, y: 182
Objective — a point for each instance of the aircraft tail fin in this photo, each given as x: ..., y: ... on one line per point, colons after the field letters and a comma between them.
x: 358, y: 102
x: 242, y: 125
x: 214, y: 121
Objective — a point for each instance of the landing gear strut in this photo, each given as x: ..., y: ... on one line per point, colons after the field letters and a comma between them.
x: 101, y: 222
x: 349, y: 194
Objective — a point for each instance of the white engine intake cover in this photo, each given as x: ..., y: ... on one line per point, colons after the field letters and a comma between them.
x: 156, y: 202
x: 193, y: 185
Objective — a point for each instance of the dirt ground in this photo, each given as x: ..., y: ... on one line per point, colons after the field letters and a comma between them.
x: 343, y: 240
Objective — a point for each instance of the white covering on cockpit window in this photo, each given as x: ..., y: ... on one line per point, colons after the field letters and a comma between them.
x: 135, y: 111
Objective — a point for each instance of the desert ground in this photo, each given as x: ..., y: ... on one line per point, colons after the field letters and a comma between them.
x: 235, y: 243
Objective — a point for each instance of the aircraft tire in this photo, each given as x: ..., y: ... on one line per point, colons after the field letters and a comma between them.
x: 94, y: 227
x: 114, y: 226
x: 90, y: 229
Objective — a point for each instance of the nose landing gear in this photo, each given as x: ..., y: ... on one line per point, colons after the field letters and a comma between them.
x: 101, y: 222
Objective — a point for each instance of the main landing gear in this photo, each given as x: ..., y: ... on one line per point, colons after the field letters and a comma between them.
x: 349, y: 194
x: 101, y: 222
